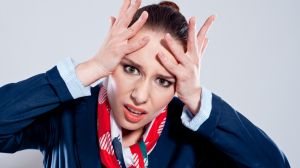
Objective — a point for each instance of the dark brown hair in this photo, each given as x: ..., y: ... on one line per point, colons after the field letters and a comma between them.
x: 165, y: 17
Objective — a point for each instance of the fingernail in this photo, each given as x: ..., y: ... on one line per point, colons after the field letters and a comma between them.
x: 133, y: 2
x: 168, y: 36
x: 193, y: 19
x: 214, y: 17
x: 144, y: 14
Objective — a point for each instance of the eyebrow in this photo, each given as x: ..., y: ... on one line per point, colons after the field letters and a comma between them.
x: 140, y: 67
x: 134, y: 63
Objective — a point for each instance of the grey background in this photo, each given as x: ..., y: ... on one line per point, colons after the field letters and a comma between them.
x: 252, y: 60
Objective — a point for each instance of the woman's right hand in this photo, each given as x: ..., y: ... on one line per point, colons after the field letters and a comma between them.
x: 116, y: 45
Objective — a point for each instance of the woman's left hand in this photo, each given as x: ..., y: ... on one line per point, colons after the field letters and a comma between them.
x: 187, y: 70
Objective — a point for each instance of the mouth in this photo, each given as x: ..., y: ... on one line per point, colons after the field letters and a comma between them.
x: 133, y: 114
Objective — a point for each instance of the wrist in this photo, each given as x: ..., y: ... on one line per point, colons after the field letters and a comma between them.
x: 89, y: 72
x: 194, y: 101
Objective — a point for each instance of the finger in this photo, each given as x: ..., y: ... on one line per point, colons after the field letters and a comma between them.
x: 202, y: 32
x: 171, y: 67
x: 191, y: 42
x: 112, y: 21
x: 178, y: 54
x: 132, y: 30
x: 204, y: 46
x: 124, y: 8
x: 126, y: 18
x: 134, y: 46
x: 206, y: 25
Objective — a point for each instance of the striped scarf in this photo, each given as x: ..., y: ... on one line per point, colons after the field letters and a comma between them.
x: 112, y: 154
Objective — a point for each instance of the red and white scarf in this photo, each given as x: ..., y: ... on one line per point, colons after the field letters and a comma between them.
x: 112, y: 154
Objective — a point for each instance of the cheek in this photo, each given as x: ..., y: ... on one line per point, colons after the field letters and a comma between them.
x: 119, y: 87
x: 161, y: 97
x: 124, y: 84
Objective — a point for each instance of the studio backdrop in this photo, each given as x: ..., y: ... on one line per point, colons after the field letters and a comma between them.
x: 252, y: 59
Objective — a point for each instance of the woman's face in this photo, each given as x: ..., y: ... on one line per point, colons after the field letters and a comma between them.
x: 140, y: 87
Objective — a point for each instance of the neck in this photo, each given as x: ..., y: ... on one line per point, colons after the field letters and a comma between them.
x: 130, y: 137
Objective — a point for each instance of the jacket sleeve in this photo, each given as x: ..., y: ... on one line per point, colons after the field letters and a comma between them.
x: 240, y: 139
x: 22, y: 103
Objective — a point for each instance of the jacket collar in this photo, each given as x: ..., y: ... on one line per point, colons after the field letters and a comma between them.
x: 87, y: 139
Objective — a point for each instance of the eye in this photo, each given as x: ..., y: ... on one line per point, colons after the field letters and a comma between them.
x: 164, y: 83
x: 131, y: 70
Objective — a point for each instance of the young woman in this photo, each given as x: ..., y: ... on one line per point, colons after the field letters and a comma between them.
x: 133, y: 119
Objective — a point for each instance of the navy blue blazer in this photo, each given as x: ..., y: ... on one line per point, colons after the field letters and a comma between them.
x: 40, y: 113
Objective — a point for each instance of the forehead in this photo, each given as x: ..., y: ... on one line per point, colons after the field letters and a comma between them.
x: 147, y: 56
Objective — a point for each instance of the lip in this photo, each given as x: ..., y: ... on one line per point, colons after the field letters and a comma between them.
x: 131, y: 116
x: 136, y: 108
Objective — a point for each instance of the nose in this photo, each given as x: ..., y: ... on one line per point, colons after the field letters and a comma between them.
x: 140, y: 93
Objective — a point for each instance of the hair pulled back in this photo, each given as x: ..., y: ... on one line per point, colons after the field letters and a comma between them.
x: 165, y: 17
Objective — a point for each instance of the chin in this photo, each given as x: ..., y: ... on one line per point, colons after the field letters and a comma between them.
x: 130, y: 126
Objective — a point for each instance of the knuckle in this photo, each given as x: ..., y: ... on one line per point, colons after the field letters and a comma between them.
x: 114, y: 51
x: 141, y: 42
x: 130, y: 48
x: 130, y: 30
x: 171, y: 67
x: 184, y: 77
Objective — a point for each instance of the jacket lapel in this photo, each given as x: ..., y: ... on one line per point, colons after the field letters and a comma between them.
x: 161, y: 154
x: 166, y: 145
x: 86, y: 131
